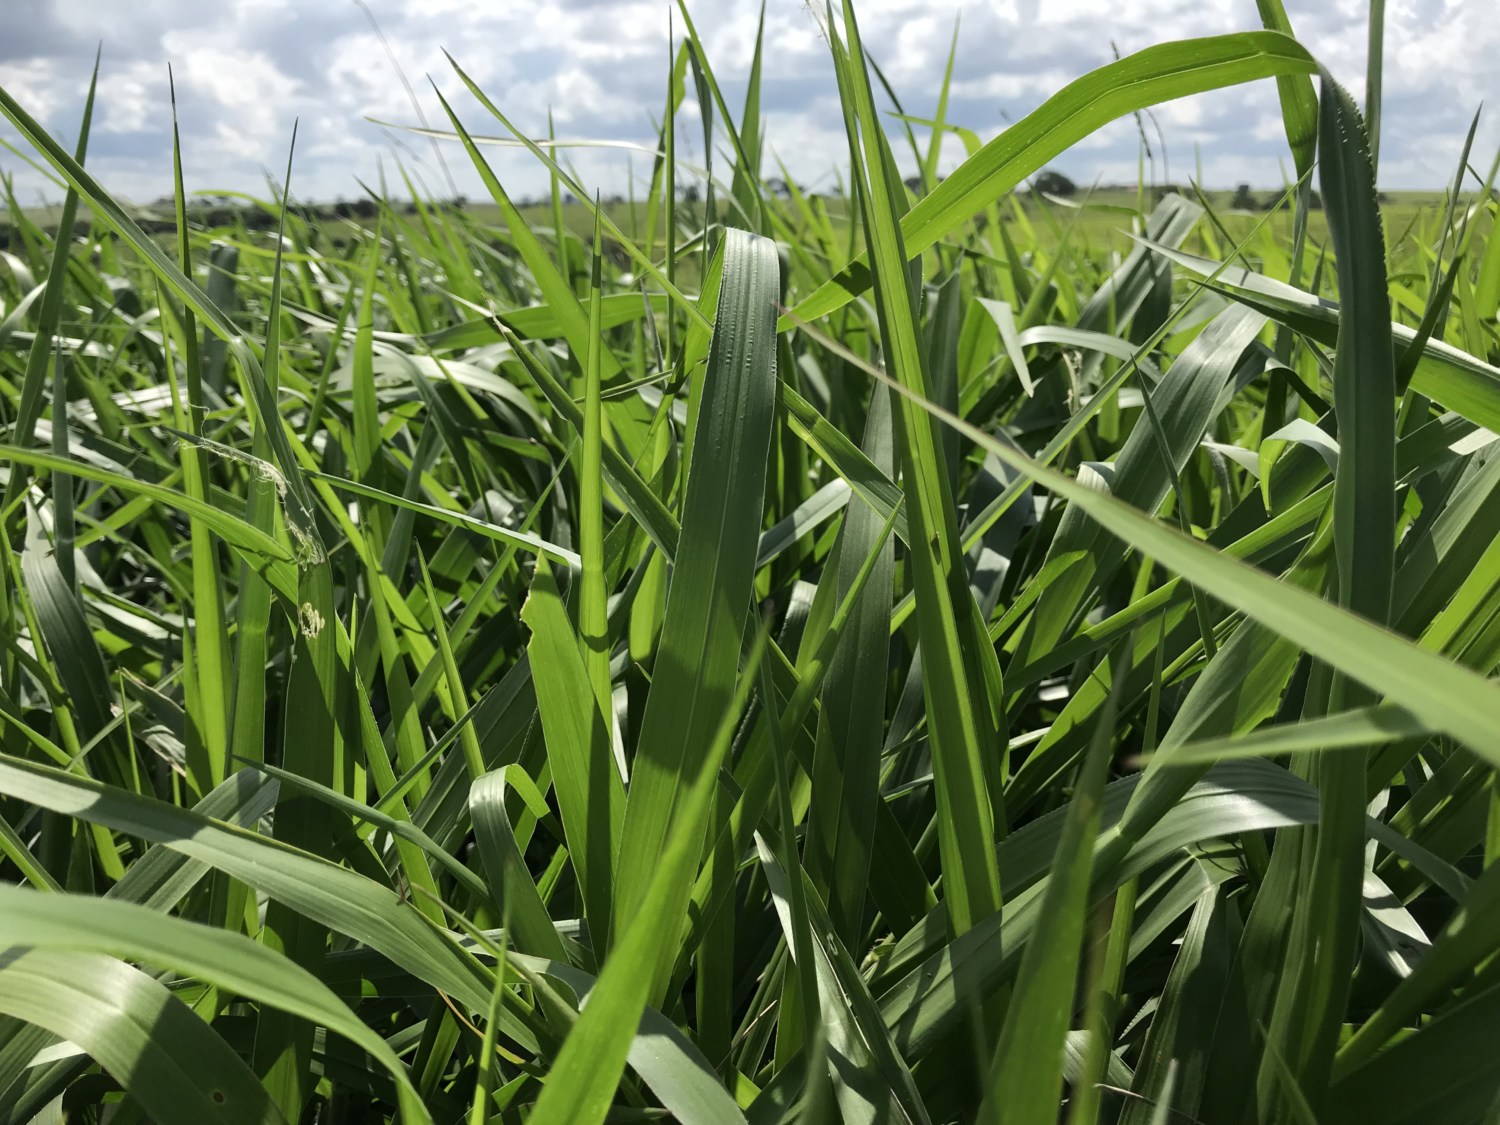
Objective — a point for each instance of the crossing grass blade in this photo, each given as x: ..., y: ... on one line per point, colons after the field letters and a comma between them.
x: 87, y: 926
x: 1026, y: 1075
x: 210, y: 641
x: 178, y: 1070
x: 1359, y: 726
x: 322, y: 890
x: 1459, y: 380
x: 582, y: 1081
x: 247, y: 709
x: 231, y: 529
x: 530, y: 928
x: 1127, y: 86
x: 29, y: 402
x: 1299, y: 100
x: 573, y: 319
x: 107, y: 209
x: 1403, y: 673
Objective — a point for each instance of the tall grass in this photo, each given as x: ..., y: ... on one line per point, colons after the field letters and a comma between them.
x: 778, y: 659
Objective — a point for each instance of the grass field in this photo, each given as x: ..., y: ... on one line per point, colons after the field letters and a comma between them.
x: 1104, y: 218
x: 915, y: 658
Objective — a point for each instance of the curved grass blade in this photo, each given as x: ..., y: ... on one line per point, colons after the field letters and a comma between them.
x: 1026, y: 1076
x: 177, y: 1068
x: 232, y: 962
x: 1449, y: 375
x: 233, y: 530
x: 33, y: 382
x: 1360, y: 726
x: 1314, y: 992
x: 530, y: 927
x: 325, y: 892
x: 1299, y: 101
x: 1156, y: 74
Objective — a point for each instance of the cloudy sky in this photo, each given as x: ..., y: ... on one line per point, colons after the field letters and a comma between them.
x: 246, y: 69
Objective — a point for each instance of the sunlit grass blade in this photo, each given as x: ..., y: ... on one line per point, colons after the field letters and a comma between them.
x: 181, y: 1072
x: 710, y: 588
x: 237, y: 964
x: 530, y: 928
x: 320, y: 889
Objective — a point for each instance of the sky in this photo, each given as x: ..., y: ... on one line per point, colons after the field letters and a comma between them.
x: 245, y: 70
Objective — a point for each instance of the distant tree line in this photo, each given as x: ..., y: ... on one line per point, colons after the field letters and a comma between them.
x: 160, y: 217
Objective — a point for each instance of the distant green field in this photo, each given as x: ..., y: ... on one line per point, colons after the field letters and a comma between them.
x: 1096, y: 220
x: 1101, y: 217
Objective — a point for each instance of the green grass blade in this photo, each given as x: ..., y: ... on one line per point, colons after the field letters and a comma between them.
x: 523, y: 539
x: 582, y: 1081
x: 33, y: 382
x: 117, y: 929
x: 210, y: 642
x: 1310, y: 1006
x: 1360, y: 726
x: 1026, y: 1075
x: 1299, y: 101
x: 845, y: 774
x: 1156, y: 74
x: 1442, y: 695
x: 710, y: 588
x: 1460, y: 381
x: 530, y: 928
x: 231, y: 529
x: 593, y: 610
x: 335, y: 896
x: 962, y: 725
x: 178, y: 1070
x: 590, y: 796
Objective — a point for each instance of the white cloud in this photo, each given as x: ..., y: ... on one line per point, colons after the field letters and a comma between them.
x: 245, y: 87
x: 30, y: 82
x: 246, y: 69
x: 129, y: 97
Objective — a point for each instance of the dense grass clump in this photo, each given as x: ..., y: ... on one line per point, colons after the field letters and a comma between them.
x: 891, y: 658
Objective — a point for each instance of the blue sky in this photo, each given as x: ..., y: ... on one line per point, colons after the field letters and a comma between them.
x: 246, y: 69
